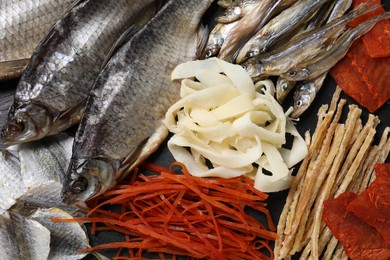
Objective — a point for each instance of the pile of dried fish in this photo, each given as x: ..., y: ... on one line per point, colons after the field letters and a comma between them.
x: 30, y: 195
x: 301, y: 41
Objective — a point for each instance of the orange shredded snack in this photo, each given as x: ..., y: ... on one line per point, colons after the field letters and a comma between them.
x: 179, y: 214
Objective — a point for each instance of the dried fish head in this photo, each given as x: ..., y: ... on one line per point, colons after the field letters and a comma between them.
x: 254, y: 68
x: 216, y: 38
x: 88, y: 178
x: 297, y: 73
x: 283, y: 87
x: 249, y: 50
x: 25, y: 122
x: 303, y: 97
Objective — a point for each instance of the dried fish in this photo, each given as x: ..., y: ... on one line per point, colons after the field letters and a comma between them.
x: 51, y: 94
x: 125, y: 110
x: 23, y: 24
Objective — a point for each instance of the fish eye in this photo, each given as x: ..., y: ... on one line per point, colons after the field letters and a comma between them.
x: 284, y: 86
x: 79, y: 185
x: 209, y: 54
x: 249, y: 54
x: 298, y: 103
x: 16, y: 127
x: 292, y: 73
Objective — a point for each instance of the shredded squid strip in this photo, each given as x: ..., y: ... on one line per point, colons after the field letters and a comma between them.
x: 226, y: 126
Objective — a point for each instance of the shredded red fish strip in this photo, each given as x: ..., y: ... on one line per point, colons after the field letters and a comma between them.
x: 179, y: 214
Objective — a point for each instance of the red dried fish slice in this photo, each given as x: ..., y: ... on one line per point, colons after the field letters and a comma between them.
x: 376, y: 41
x: 373, y: 206
x: 363, y: 78
x: 360, y: 240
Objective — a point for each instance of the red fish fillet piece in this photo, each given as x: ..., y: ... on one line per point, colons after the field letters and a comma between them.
x: 363, y: 78
x: 377, y: 39
x: 360, y: 240
x: 382, y: 169
x: 372, y: 206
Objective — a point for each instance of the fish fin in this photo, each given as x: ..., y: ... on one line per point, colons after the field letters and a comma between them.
x: 126, y: 36
x: 201, y: 40
x: 143, y: 151
x: 69, y: 117
x: 12, y: 69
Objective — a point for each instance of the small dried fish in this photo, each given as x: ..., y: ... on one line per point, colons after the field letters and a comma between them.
x: 302, y: 47
x: 326, y: 59
x: 240, y: 21
x: 280, y: 26
x: 305, y: 93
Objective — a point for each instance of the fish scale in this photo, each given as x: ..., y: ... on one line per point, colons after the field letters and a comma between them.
x: 24, y: 23
x: 130, y: 98
x: 51, y: 94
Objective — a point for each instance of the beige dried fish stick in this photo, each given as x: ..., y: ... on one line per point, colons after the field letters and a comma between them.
x: 284, y: 223
x: 315, y: 178
x: 319, y: 208
x: 329, y: 151
x: 287, y: 206
x: 351, y: 124
x: 382, y: 155
x: 371, y: 124
x: 368, y: 167
x: 330, y: 248
x: 352, y: 170
x: 348, y: 129
x: 318, y: 136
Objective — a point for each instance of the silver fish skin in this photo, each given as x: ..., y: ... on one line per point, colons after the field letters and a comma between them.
x: 9, y: 249
x: 340, y: 7
x: 51, y: 94
x: 305, y: 94
x: 259, y: 13
x: 278, y: 27
x: 43, y: 165
x: 304, y: 46
x: 66, y: 238
x: 23, y: 24
x: 32, y: 238
x: 123, y: 122
x: 226, y: 25
x: 326, y: 59
x: 11, y: 186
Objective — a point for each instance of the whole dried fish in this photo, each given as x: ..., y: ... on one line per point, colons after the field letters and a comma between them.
x: 326, y: 59
x: 304, y: 46
x: 23, y: 24
x: 123, y: 120
x: 305, y: 93
x: 51, y: 94
x: 280, y: 26
x: 241, y: 20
